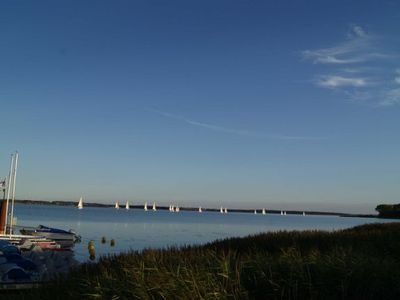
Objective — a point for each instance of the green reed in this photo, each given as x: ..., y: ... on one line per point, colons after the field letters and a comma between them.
x: 358, y: 263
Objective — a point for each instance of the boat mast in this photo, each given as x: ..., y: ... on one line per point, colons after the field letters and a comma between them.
x: 8, y: 191
x: 13, y: 193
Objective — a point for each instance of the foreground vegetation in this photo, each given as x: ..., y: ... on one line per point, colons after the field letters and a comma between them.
x: 358, y: 263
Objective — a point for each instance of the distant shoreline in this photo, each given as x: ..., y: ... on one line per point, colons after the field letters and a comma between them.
x: 269, y: 211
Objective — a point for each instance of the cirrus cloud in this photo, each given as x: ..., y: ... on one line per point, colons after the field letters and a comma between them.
x: 360, y: 67
x: 334, y: 81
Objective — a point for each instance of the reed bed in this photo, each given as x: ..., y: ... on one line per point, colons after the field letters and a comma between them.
x: 358, y: 263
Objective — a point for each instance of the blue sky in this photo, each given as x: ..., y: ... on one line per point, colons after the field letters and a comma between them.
x: 276, y: 104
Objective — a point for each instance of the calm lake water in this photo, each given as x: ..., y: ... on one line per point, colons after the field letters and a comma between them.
x: 136, y: 229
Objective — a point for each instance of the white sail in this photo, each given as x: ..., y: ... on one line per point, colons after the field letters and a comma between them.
x: 80, y: 203
x: 145, y: 206
x: 226, y: 210
x: 304, y: 213
x: 263, y: 211
x: 200, y: 210
x: 127, y: 205
x: 284, y: 213
x: 221, y: 210
x: 176, y: 208
x: 117, y: 205
x: 255, y: 211
x: 154, y: 206
x: 281, y: 213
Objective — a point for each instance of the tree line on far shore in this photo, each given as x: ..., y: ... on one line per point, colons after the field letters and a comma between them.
x: 388, y: 210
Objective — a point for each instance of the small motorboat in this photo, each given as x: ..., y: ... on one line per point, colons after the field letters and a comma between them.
x: 52, y: 233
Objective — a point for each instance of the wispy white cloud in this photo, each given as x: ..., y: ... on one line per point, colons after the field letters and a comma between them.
x: 360, y: 68
x: 352, y: 70
x: 240, y: 132
x: 397, y: 78
x: 334, y: 81
x: 390, y: 98
x: 357, y: 30
x: 360, y: 47
x: 351, y: 51
x: 324, y: 56
x: 359, y: 96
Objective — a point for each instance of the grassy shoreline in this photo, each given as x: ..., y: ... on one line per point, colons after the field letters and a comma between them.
x: 358, y: 263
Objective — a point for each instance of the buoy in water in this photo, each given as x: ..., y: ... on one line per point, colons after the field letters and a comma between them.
x: 91, y: 250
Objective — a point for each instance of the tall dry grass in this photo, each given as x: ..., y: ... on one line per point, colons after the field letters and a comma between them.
x: 358, y: 263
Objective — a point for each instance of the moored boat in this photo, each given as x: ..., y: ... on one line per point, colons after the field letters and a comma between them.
x: 51, y: 233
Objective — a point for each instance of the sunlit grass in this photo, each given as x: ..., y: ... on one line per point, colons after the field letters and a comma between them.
x: 358, y: 263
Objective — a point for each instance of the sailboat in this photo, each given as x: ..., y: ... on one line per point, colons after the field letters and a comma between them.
x: 154, y: 206
x: 304, y: 213
x: 281, y: 213
x: 263, y: 211
x: 284, y: 213
x: 145, y: 206
x: 127, y: 205
x: 80, y: 203
x: 221, y: 210
x: 226, y: 210
x: 255, y: 211
x: 200, y: 210
x: 117, y: 205
x: 176, y: 208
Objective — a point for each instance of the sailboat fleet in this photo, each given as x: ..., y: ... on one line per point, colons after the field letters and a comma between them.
x: 175, y: 208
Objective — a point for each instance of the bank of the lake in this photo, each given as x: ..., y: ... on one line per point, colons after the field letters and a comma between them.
x: 358, y: 263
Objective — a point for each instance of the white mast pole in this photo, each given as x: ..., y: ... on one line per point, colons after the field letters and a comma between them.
x: 13, y: 194
x: 9, y: 180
